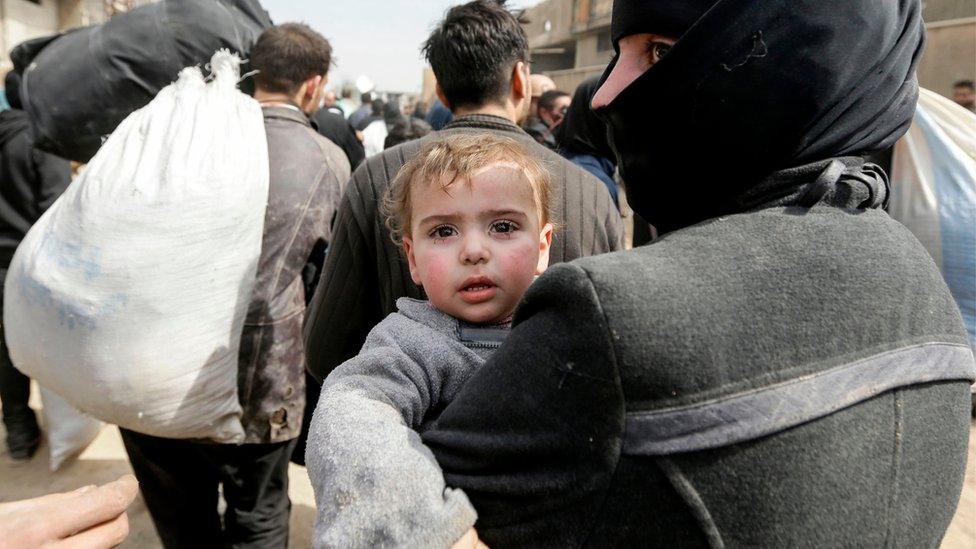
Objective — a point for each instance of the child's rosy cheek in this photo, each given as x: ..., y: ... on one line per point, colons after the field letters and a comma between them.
x: 434, y: 273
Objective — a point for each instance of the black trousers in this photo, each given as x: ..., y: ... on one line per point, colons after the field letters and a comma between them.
x: 179, y: 480
x: 14, y: 386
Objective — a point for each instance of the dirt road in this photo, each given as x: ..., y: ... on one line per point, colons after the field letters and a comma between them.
x: 105, y: 460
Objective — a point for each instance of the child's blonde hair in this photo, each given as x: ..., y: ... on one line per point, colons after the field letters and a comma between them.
x: 445, y: 160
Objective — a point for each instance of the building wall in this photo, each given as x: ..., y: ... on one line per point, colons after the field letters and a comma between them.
x: 22, y: 20
x: 80, y: 13
x: 559, y: 15
x: 594, y: 49
x: 943, y: 10
x: 950, y: 55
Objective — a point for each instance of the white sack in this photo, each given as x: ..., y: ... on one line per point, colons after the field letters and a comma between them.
x: 69, y: 430
x: 933, y: 193
x: 128, y: 297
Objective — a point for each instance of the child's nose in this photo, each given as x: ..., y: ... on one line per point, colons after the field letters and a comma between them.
x: 474, y: 250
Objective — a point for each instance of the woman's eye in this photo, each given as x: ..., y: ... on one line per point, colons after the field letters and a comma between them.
x: 659, y: 50
x: 503, y: 227
x: 443, y: 232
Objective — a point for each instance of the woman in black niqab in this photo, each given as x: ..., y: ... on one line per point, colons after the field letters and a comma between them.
x: 582, y: 137
x: 743, y: 95
x: 775, y: 370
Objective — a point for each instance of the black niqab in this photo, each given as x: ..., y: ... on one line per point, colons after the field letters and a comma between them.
x: 582, y: 131
x: 11, y: 88
x: 759, y: 86
x: 671, y: 18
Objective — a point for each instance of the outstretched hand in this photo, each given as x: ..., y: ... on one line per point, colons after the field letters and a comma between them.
x: 89, y: 517
x: 469, y: 541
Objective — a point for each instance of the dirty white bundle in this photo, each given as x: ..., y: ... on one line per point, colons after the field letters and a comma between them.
x: 128, y: 297
x: 69, y: 430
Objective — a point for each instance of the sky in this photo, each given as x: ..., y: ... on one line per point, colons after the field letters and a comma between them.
x: 377, y: 38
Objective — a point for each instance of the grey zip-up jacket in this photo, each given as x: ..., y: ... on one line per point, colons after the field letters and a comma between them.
x: 365, y: 271
x: 308, y: 173
x: 375, y: 484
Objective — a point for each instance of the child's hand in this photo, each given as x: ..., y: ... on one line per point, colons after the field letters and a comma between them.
x: 469, y: 541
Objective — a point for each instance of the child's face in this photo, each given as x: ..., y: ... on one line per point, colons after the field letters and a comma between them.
x: 475, y: 247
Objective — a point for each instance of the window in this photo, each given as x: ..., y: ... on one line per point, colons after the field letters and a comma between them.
x: 603, y: 42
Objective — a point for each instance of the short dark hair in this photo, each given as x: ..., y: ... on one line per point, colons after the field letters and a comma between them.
x: 378, y: 106
x: 366, y: 98
x: 287, y: 55
x: 406, y: 128
x: 473, y: 50
x: 964, y: 84
x: 548, y: 99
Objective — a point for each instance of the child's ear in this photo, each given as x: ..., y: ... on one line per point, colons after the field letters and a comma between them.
x: 545, y: 242
x: 408, y: 248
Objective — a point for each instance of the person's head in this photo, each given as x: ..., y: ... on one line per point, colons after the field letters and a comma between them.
x: 553, y: 106
x: 763, y: 87
x: 366, y: 98
x: 539, y: 84
x: 964, y: 94
x: 406, y: 128
x: 379, y: 106
x: 582, y: 131
x: 346, y: 93
x: 472, y: 212
x: 329, y: 99
x: 479, y: 54
x: 292, y: 61
x: 391, y: 113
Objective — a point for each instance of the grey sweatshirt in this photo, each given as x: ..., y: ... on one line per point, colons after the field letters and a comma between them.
x: 375, y: 483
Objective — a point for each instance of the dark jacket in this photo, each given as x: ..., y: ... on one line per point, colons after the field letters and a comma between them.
x: 601, y: 168
x: 335, y: 128
x: 786, y: 377
x: 308, y: 173
x: 365, y: 272
x: 542, y: 134
x: 30, y: 181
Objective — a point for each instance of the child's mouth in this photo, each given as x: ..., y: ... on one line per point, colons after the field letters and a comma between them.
x: 477, y: 290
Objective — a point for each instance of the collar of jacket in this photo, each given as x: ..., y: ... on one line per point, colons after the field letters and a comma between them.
x: 484, y: 121
x: 284, y: 113
x: 846, y: 182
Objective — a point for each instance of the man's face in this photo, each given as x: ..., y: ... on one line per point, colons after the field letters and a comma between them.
x: 477, y: 245
x: 965, y: 96
x: 329, y: 99
x: 555, y: 115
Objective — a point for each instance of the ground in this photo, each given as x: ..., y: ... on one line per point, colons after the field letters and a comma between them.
x: 105, y: 460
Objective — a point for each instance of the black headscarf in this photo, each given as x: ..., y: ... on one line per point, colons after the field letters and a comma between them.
x: 11, y: 88
x: 758, y: 86
x: 582, y: 131
x: 665, y: 17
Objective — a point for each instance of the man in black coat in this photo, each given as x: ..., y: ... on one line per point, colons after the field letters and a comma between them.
x: 30, y: 181
x: 365, y: 272
x: 337, y: 129
x: 785, y: 366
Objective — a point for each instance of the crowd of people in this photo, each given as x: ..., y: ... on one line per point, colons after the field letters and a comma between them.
x: 451, y: 330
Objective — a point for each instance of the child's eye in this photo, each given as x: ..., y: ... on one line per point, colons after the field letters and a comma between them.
x: 504, y: 227
x: 444, y: 231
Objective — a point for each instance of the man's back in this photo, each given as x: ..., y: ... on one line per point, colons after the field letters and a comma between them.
x: 365, y: 274
x: 307, y: 174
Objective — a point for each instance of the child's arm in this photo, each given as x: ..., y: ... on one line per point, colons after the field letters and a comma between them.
x: 375, y: 482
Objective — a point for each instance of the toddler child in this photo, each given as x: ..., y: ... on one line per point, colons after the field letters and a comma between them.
x: 472, y: 214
